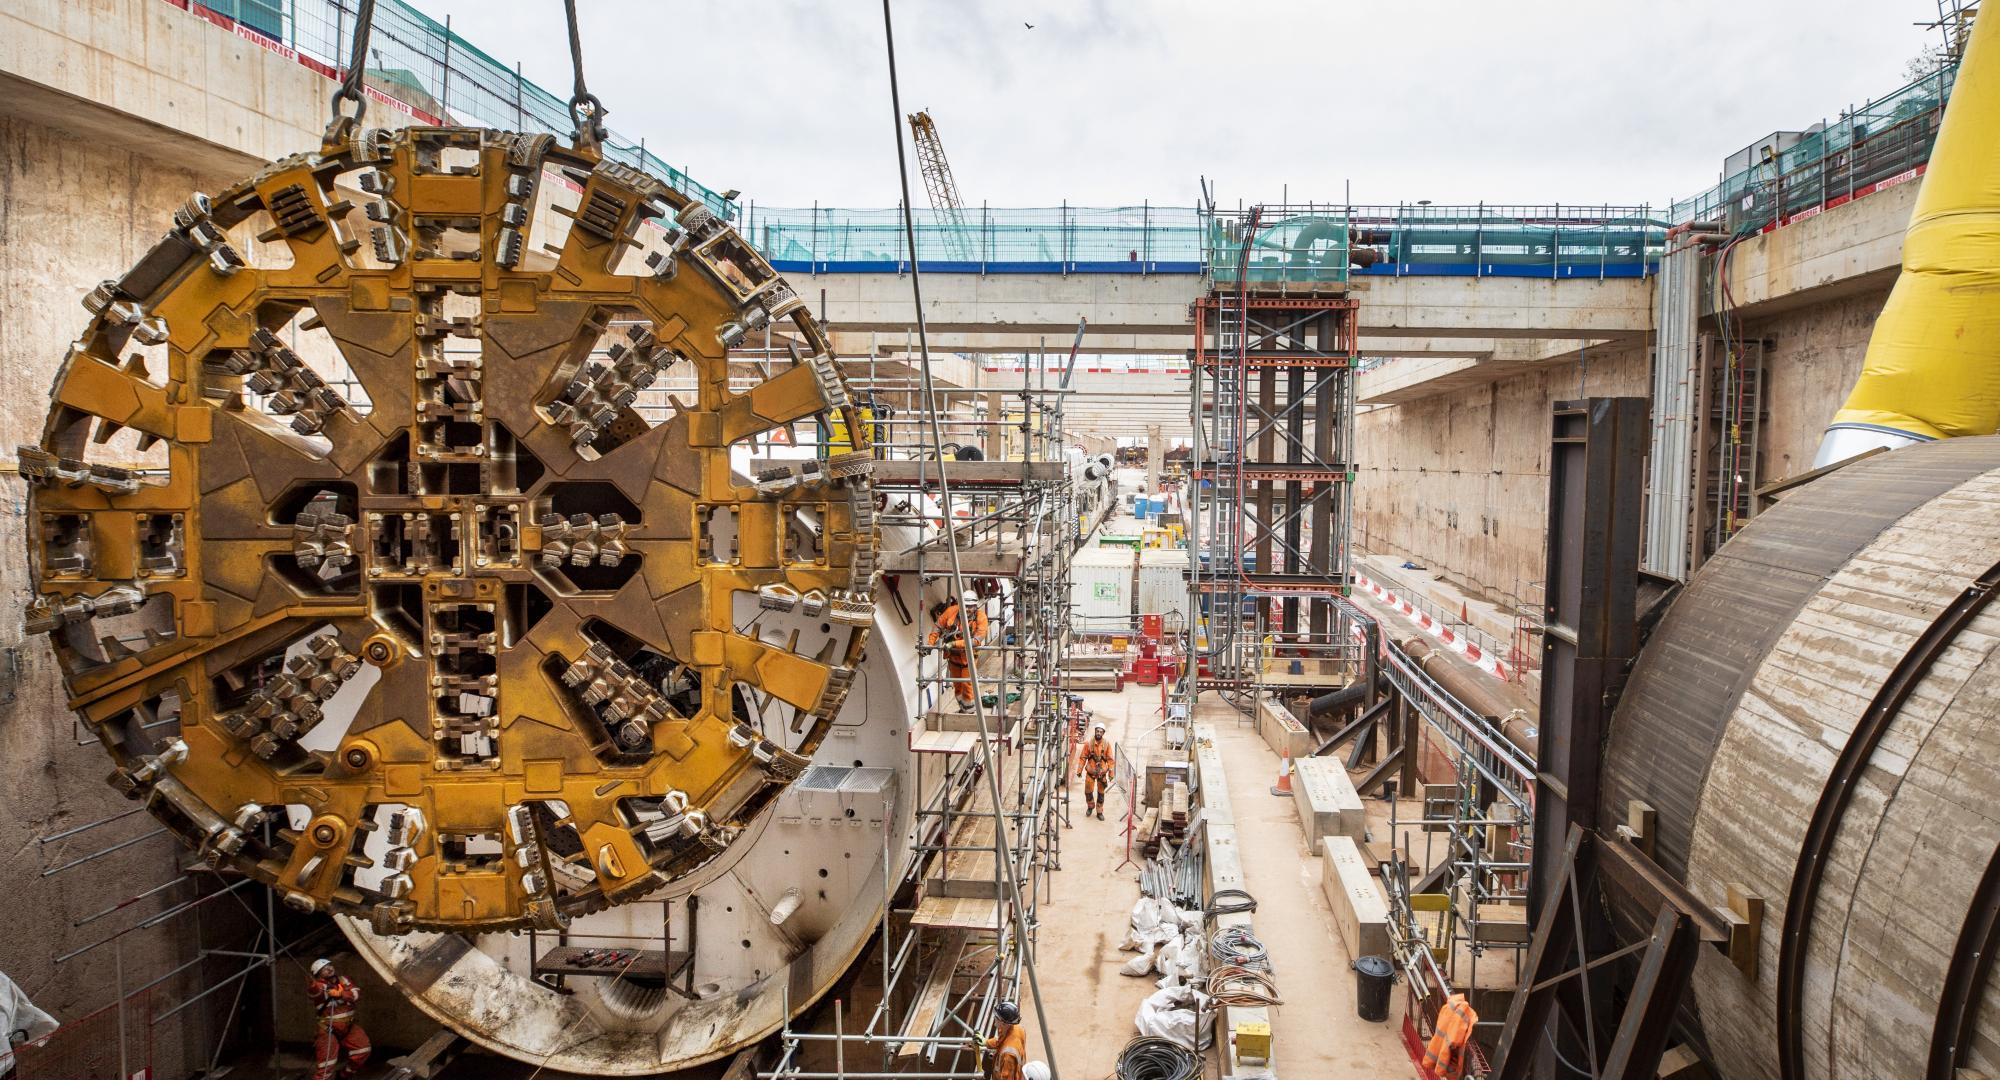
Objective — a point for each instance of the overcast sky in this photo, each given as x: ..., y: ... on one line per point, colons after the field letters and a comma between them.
x: 1110, y: 103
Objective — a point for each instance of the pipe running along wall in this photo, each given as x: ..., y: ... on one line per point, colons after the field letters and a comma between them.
x: 1933, y: 364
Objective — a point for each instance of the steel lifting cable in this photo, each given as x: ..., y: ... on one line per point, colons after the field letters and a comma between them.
x: 1024, y: 940
x: 1150, y: 1057
x: 585, y: 111
x: 341, y: 126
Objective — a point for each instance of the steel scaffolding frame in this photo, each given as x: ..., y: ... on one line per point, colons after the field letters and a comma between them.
x: 1271, y: 495
x: 132, y: 1012
x: 947, y: 945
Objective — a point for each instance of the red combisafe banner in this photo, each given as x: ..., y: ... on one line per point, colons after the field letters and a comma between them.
x: 1884, y: 184
x: 270, y: 44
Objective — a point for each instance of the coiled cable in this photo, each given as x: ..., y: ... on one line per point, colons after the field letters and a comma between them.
x: 1232, y: 984
x: 1150, y: 1057
x: 1237, y: 946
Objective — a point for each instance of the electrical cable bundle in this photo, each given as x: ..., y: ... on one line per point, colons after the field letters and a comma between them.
x: 1237, y: 946
x: 1150, y: 1057
x: 1237, y: 902
x: 1233, y: 984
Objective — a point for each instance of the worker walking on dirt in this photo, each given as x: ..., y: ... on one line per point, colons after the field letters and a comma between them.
x: 1096, y: 772
x: 341, y: 1047
x: 958, y: 632
x: 1010, y: 1044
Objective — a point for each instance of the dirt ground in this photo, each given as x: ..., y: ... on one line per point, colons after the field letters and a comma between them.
x: 1091, y: 1006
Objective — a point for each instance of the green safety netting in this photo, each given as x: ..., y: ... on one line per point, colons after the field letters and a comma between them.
x: 439, y: 75
x: 1300, y: 245
x: 1041, y: 236
x: 1880, y: 141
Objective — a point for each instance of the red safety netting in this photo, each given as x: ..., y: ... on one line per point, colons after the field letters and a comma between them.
x: 89, y: 1047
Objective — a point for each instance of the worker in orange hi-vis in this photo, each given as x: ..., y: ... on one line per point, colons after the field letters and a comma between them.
x: 1009, y: 1045
x: 1096, y: 772
x: 340, y: 1048
x: 958, y: 632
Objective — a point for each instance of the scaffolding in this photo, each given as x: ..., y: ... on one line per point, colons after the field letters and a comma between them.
x: 215, y: 931
x: 1271, y: 477
x: 1457, y: 873
x: 948, y: 948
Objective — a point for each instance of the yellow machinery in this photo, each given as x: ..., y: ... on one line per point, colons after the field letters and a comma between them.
x: 1933, y: 365
x: 389, y: 573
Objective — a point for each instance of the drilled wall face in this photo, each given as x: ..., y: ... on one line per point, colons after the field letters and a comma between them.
x: 1460, y: 482
x: 1815, y: 357
x: 72, y: 212
x: 1738, y: 708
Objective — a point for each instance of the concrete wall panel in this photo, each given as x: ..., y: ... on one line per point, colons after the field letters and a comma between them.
x: 1459, y: 482
x: 74, y: 211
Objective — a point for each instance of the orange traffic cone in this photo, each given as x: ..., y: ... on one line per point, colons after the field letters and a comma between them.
x: 1284, y: 785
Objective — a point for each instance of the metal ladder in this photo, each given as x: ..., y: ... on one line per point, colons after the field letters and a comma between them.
x: 1228, y: 649
x: 1737, y: 410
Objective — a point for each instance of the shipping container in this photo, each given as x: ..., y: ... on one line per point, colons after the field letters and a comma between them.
x: 1101, y: 586
x: 1163, y: 583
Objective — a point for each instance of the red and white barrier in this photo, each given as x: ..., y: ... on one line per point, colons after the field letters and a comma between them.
x: 1486, y: 661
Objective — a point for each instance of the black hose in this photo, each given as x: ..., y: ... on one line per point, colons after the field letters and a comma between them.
x: 1150, y: 1057
x: 1218, y: 905
x: 1353, y: 693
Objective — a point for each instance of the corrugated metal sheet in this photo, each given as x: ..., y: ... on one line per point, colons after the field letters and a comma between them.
x: 1163, y: 582
x: 1671, y: 481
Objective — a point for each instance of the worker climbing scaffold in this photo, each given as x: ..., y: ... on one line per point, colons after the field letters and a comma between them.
x: 340, y: 1048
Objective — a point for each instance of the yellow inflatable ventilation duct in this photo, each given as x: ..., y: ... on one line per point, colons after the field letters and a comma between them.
x: 1933, y: 365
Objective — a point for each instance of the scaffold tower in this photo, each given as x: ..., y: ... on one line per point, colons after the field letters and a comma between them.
x: 1272, y: 400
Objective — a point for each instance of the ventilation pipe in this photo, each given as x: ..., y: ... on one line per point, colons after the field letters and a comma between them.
x: 1933, y: 365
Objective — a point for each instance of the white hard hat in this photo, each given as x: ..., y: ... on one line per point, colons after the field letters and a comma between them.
x: 320, y: 965
x: 1099, y: 727
x: 971, y: 597
x: 1035, y: 1070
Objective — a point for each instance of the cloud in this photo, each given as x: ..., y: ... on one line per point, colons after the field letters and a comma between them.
x: 1110, y: 103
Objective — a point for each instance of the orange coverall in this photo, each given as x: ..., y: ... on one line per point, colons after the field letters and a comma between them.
x: 1096, y: 773
x: 333, y: 999
x: 957, y: 651
x: 1011, y: 1047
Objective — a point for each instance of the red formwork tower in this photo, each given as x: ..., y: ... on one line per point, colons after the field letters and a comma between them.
x: 1272, y: 387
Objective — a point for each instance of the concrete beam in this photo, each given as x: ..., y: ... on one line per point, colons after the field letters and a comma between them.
x: 1850, y: 250
x: 1134, y: 313
x: 1018, y: 304
x: 1009, y: 343
x: 1410, y: 379
x: 1854, y: 248
x: 143, y: 73
x: 849, y: 342
x: 1499, y: 307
